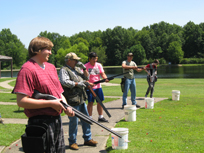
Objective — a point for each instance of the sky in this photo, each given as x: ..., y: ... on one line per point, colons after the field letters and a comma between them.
x: 27, y: 18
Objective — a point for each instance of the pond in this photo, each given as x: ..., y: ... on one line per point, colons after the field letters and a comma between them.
x: 164, y: 71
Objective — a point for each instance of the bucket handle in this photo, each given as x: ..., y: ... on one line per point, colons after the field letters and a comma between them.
x: 127, y: 141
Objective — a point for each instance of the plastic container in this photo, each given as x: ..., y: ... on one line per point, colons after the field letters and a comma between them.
x: 130, y: 113
x: 120, y: 143
x: 149, y: 103
x: 175, y: 95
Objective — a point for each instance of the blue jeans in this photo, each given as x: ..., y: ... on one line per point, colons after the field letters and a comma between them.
x: 73, y: 125
x: 129, y: 84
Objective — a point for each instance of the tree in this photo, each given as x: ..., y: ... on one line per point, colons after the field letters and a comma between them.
x: 174, y: 52
x: 11, y: 46
x: 145, y: 40
x: 193, y: 40
x: 101, y: 53
x: 57, y: 40
x: 138, y: 52
x: 116, y: 42
x: 80, y: 49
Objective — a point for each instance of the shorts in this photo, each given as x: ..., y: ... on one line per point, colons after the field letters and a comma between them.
x: 99, y: 93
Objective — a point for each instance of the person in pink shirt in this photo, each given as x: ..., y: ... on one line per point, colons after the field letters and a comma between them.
x: 96, y: 71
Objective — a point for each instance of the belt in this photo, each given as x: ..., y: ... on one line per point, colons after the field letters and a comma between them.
x: 44, y: 117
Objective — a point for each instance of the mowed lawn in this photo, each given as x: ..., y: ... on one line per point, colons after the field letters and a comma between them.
x: 172, y: 126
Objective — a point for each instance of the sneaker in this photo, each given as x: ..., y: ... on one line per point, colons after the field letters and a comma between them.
x: 74, y: 146
x: 145, y: 96
x: 123, y: 106
x: 102, y: 120
x: 138, y: 106
x: 91, y: 143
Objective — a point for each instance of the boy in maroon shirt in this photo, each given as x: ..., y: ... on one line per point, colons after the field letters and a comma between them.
x: 151, y: 70
x: 38, y: 74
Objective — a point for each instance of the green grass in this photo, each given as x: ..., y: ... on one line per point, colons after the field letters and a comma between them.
x: 172, y: 126
x: 10, y: 132
x: 7, y: 97
x: 11, y: 111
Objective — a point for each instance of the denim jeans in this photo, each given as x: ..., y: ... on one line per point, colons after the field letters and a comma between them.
x: 73, y: 125
x: 129, y: 84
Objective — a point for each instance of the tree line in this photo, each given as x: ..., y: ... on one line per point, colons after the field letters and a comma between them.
x: 163, y: 41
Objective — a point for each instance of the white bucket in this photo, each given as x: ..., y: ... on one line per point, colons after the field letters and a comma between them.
x: 149, y: 103
x: 130, y: 113
x: 175, y: 94
x: 120, y: 143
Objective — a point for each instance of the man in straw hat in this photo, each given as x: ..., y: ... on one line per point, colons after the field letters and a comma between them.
x: 72, y: 80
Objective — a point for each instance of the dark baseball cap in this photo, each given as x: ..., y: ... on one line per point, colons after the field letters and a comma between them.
x: 92, y: 54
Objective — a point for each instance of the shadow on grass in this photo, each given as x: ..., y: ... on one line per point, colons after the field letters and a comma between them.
x: 12, y: 98
x: 108, y: 149
x: 18, y: 111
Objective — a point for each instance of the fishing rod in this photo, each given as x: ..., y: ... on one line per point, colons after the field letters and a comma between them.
x: 97, y: 98
x: 110, y: 78
x: 38, y: 95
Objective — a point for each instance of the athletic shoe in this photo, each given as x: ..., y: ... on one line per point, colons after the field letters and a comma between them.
x: 138, y: 106
x: 123, y: 106
x: 102, y: 120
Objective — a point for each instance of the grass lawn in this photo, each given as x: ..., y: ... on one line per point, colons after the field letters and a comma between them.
x: 172, y: 126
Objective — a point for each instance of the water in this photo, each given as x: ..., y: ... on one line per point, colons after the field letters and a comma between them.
x: 167, y: 71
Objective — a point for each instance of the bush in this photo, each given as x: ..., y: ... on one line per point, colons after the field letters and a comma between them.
x: 162, y: 61
x: 192, y: 61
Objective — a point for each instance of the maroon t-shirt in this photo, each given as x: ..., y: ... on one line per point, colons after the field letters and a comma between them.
x: 148, y: 66
x: 32, y: 76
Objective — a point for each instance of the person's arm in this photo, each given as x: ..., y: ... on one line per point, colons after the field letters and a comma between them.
x: 68, y: 111
x: 104, y: 76
x: 124, y: 66
x: 138, y: 69
x: 65, y: 80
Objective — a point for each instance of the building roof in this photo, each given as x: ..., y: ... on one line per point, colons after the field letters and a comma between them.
x: 2, y: 58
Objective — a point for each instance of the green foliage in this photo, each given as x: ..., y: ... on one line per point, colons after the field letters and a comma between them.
x: 156, y: 41
x: 192, y: 61
x: 138, y: 52
x: 80, y: 49
x: 174, y: 52
x: 100, y: 51
x: 11, y: 46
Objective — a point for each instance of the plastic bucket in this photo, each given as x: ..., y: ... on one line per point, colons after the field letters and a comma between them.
x: 149, y: 103
x: 120, y: 143
x: 130, y: 113
x: 175, y: 94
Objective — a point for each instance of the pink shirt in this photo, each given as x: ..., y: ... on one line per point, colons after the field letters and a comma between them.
x: 94, y: 72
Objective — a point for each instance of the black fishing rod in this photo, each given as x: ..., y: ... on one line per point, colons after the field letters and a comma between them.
x: 110, y: 78
x: 78, y: 114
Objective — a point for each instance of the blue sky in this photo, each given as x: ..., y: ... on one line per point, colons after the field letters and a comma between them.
x: 27, y: 18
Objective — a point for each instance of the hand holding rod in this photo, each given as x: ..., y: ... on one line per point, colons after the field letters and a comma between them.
x: 110, y: 78
x: 97, y: 98
x: 94, y: 121
x: 38, y: 95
